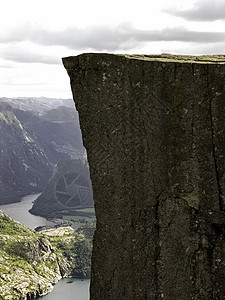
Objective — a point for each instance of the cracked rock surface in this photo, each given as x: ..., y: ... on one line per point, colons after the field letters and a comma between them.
x: 154, y: 130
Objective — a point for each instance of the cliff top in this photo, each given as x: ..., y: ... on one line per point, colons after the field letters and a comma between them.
x: 164, y: 57
x: 181, y: 58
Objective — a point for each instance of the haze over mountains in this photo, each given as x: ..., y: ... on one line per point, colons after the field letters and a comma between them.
x: 35, y: 135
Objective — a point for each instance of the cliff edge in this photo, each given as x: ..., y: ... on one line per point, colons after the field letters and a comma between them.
x: 154, y: 131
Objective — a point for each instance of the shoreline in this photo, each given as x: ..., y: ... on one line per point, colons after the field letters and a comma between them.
x: 79, y: 286
x: 18, y: 211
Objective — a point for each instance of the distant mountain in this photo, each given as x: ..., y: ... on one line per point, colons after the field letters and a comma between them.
x: 24, y: 167
x: 32, y: 141
x: 57, y: 131
x: 68, y: 192
x: 37, y: 105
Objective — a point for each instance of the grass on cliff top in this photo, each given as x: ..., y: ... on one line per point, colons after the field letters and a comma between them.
x: 220, y: 59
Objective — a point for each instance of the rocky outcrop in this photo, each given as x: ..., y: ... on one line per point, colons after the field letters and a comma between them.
x: 32, y: 262
x: 154, y: 130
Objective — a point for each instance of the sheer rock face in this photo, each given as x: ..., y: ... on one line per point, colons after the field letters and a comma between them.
x: 154, y: 129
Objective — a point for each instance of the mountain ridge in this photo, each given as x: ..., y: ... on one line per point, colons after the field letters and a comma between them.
x: 32, y: 142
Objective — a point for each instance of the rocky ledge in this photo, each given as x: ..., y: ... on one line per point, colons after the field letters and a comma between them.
x: 154, y: 130
x: 32, y: 262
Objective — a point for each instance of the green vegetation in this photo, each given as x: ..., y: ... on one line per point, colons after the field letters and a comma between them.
x: 210, y: 59
x: 30, y: 262
x: 9, y: 117
x: 81, y: 219
x: 83, y: 215
x: 2, y: 117
x: 87, y: 210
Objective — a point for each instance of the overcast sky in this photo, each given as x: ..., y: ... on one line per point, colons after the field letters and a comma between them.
x: 36, y: 34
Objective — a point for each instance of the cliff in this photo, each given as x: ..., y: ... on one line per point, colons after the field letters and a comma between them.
x: 154, y: 131
x: 32, y: 262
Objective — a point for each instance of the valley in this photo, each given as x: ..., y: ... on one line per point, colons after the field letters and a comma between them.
x: 44, y: 170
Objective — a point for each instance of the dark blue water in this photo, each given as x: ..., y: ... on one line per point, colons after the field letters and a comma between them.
x: 77, y: 289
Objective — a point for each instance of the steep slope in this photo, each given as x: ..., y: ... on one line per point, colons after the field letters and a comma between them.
x: 31, y: 145
x: 68, y: 190
x: 24, y: 167
x: 30, y: 262
x: 57, y: 131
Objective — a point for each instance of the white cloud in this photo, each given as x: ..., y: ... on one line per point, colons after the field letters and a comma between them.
x: 22, y: 54
x: 203, y: 10
x: 35, y: 80
x: 34, y: 35
x: 109, y: 38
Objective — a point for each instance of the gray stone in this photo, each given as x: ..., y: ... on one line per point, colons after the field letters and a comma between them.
x: 154, y: 129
